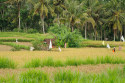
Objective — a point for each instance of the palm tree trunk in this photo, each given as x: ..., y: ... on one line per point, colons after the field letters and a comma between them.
x: 95, y: 32
x: 72, y: 28
x: 58, y: 19
x: 114, y: 35
x: 104, y: 34
x: 43, y: 24
x: 85, y: 30
x: 120, y: 36
x: 2, y: 14
x: 18, y: 17
x: 101, y: 33
x: 124, y: 30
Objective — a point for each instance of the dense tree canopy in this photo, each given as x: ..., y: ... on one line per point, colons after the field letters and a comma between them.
x: 95, y: 19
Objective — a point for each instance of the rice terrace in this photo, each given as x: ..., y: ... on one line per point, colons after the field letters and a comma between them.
x: 62, y: 41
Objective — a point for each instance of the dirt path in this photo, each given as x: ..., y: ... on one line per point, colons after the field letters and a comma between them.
x: 23, y: 43
x: 5, y: 48
x: 50, y: 70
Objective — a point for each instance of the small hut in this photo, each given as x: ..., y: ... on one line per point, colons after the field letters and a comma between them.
x: 47, y: 41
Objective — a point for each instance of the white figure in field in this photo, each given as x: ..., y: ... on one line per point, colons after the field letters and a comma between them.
x: 60, y: 49
x: 16, y: 41
x: 108, y: 46
x: 50, y: 44
x: 120, y: 48
x: 122, y: 38
x: 31, y: 48
x: 103, y: 43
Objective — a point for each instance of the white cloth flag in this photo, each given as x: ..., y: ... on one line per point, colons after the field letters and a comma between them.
x: 50, y: 44
x: 16, y: 41
x: 103, y: 43
x: 122, y: 38
x: 60, y: 49
x: 108, y: 46
x: 31, y: 48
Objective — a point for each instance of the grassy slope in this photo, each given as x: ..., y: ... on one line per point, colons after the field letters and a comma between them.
x: 24, y: 35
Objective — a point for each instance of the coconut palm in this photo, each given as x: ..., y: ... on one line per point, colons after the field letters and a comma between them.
x: 41, y: 7
x: 58, y: 9
x: 85, y: 20
x: 117, y: 16
x: 18, y: 5
x: 72, y: 12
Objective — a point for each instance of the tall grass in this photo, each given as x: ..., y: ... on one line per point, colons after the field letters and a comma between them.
x: 66, y: 76
x: 111, y: 76
x: 8, y: 79
x: 74, y: 62
x: 34, y: 63
x: 41, y: 63
x: 36, y: 76
x: 33, y: 76
x: 6, y: 63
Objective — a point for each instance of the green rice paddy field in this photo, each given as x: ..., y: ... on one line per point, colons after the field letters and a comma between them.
x: 91, y: 64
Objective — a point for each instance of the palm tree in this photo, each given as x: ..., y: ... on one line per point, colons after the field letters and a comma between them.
x: 41, y: 7
x: 18, y: 3
x: 58, y: 9
x: 85, y: 20
x: 92, y: 11
x: 116, y: 16
x: 72, y: 12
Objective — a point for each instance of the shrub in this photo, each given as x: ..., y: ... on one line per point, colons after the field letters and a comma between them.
x: 6, y: 63
x: 32, y: 30
x: 33, y: 76
x: 16, y: 30
x: 15, y: 49
x: 37, y: 44
x: 64, y: 35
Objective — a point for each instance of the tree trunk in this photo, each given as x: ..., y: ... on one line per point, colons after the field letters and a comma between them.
x: 101, y: 33
x: 58, y: 19
x: 85, y: 30
x: 104, y: 34
x: 114, y: 35
x: 124, y: 30
x: 43, y: 24
x: 18, y: 17
x: 95, y: 32
x: 72, y: 28
x: 120, y: 36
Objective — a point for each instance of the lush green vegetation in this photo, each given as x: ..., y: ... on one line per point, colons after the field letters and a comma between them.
x: 24, y: 35
x: 64, y: 35
x: 36, y: 76
x: 74, y: 62
x: 33, y: 76
x: 6, y: 63
x: 100, y: 18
